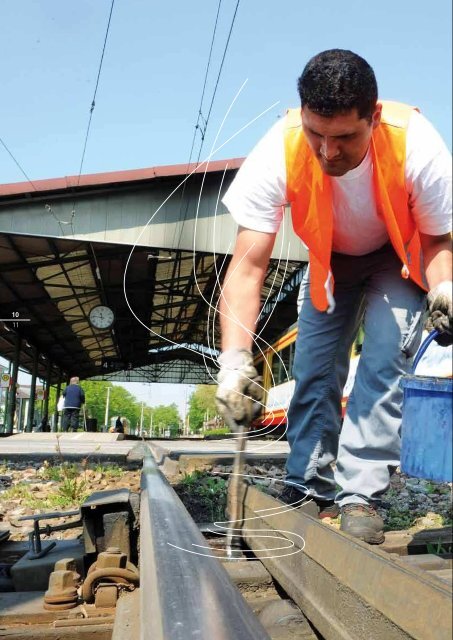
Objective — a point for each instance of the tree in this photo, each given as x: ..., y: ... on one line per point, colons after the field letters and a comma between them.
x: 164, y: 417
x: 121, y: 402
x: 201, y: 404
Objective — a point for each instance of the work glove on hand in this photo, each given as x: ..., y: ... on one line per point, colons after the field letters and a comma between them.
x: 440, y: 312
x: 239, y: 387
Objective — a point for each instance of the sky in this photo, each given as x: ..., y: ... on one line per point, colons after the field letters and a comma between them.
x: 154, y: 66
x: 150, y: 88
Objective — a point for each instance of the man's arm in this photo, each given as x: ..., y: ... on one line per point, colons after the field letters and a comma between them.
x: 438, y: 268
x: 239, y: 390
x: 437, y: 255
x: 241, y: 292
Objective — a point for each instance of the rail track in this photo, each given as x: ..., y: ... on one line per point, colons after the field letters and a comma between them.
x: 349, y: 589
x: 295, y: 577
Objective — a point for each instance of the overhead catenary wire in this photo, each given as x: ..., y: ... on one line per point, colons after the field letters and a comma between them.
x: 218, y: 77
x: 197, y: 124
x: 93, y: 102
x: 200, y: 112
x: 87, y: 133
x: 16, y: 162
x: 200, y: 116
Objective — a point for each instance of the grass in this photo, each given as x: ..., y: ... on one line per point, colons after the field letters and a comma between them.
x: 72, y: 485
x: 203, y: 495
x: 398, y: 519
x: 109, y: 471
x: 437, y: 548
x: 72, y: 492
x: 3, y: 468
x: 223, y: 431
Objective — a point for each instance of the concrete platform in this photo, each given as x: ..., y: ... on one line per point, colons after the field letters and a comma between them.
x: 110, y: 446
x: 71, y: 446
x: 259, y: 449
x: 78, y: 436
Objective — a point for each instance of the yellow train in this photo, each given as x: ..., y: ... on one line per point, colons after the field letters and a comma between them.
x: 275, y: 364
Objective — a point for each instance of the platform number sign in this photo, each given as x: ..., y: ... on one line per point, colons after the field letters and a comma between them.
x: 4, y: 380
x: 114, y: 364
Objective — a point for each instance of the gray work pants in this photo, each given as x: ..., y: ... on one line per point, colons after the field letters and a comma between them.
x: 370, y: 289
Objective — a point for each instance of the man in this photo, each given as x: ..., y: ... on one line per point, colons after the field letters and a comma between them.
x: 74, y: 398
x: 369, y: 185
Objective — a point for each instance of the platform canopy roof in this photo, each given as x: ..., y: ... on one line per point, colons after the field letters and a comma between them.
x: 164, y: 298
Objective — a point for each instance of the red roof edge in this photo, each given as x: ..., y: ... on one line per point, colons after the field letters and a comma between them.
x: 115, y: 177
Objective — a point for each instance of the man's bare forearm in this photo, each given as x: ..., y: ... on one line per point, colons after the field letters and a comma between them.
x: 239, y: 310
x: 437, y: 255
x: 241, y: 291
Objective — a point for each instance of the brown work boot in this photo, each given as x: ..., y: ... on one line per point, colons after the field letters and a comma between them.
x: 362, y: 521
x: 315, y: 507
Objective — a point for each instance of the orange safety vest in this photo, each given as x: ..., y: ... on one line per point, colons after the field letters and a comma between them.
x: 309, y: 193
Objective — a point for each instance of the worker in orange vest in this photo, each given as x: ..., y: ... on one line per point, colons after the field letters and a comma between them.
x: 369, y: 184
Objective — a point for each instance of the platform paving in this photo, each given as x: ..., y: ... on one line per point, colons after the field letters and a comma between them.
x: 221, y: 450
x: 111, y: 446
x: 70, y: 445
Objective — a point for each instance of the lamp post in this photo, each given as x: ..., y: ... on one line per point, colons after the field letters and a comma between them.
x: 107, y: 402
x: 141, y: 419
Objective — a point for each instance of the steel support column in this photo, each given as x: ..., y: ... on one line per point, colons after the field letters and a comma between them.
x: 45, y: 413
x: 31, y: 402
x: 57, y: 396
x: 12, y: 390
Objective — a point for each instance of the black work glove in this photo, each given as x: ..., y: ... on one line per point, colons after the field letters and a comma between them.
x: 440, y: 310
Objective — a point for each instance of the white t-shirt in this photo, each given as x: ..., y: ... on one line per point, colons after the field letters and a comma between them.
x: 257, y: 195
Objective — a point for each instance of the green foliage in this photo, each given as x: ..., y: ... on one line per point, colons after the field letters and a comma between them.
x: 52, y: 473
x: 121, y: 402
x: 203, y: 495
x: 399, y: 519
x: 109, y: 471
x: 20, y: 490
x: 431, y: 487
x: 223, y: 431
x: 163, y: 417
x: 59, y: 472
x: 202, y: 404
x: 438, y: 548
x: 73, y: 490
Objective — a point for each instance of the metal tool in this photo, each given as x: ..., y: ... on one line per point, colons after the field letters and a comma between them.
x: 36, y: 548
x: 233, y: 538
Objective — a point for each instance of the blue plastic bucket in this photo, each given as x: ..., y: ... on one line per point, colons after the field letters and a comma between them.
x: 426, y: 439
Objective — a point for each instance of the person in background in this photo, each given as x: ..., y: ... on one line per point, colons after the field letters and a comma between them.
x: 44, y: 425
x: 119, y: 427
x: 74, y: 398
x: 369, y: 184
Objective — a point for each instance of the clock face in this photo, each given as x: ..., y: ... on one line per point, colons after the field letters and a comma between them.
x: 101, y: 317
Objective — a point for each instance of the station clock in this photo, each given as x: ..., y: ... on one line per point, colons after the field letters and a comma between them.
x: 101, y: 317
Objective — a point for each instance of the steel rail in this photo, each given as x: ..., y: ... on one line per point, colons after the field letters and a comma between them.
x: 349, y: 590
x: 184, y: 592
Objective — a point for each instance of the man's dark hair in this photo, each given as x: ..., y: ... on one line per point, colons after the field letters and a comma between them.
x: 337, y: 81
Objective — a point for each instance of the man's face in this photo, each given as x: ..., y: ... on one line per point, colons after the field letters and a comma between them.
x: 339, y: 142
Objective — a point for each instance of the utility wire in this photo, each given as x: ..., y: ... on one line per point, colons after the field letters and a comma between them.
x: 93, y: 102
x: 17, y: 163
x: 205, y: 121
x: 200, y: 113
x: 197, y: 125
x: 218, y: 77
